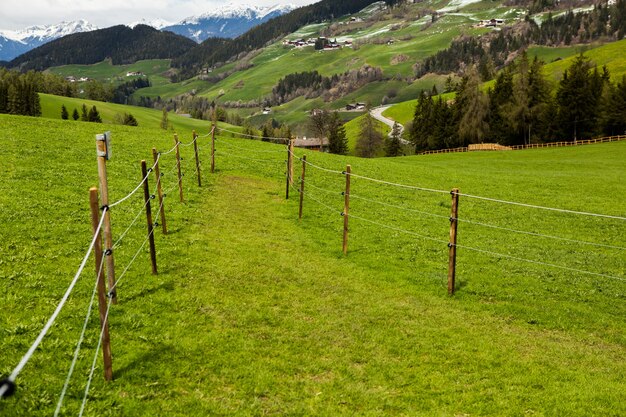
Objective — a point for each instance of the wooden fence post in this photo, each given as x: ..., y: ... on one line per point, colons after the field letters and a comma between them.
x: 102, y: 298
x: 195, y: 149
x: 346, y: 210
x: 180, y: 173
x: 302, y: 187
x: 291, y: 161
x: 287, y: 173
x: 147, y: 197
x: 157, y: 173
x: 452, y: 245
x: 102, y: 144
x: 213, y: 143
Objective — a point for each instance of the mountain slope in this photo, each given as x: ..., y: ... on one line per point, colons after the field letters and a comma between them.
x: 120, y: 43
x: 210, y: 52
x: 228, y: 22
x: 15, y: 43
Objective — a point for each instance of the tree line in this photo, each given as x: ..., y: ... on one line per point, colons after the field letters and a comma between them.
x: 18, y: 91
x: 523, y: 108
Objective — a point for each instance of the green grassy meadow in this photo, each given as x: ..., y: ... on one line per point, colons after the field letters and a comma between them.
x: 150, y: 118
x: 254, y: 312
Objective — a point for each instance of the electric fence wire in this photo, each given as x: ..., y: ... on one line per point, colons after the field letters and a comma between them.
x: 208, y: 134
x: 138, y: 186
x: 139, y: 213
x: 80, y: 342
x: 270, y: 161
x: 433, y: 190
x: 253, y: 136
x: 321, y: 203
x: 496, y: 254
x: 115, y: 285
x: 11, y: 379
x: 309, y: 163
x: 95, y: 359
x: 566, y: 268
x: 190, y: 143
x: 425, y: 213
x: 225, y: 142
x: 324, y: 190
x: 582, y: 213
x: 582, y: 242
x: 170, y: 151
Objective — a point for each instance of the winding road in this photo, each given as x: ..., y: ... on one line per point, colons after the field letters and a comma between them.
x: 377, y: 113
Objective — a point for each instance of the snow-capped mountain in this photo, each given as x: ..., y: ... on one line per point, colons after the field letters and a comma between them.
x: 227, y: 21
x: 156, y: 23
x: 15, y: 43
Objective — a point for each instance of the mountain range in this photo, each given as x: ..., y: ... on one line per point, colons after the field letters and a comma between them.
x: 228, y: 21
x: 15, y: 43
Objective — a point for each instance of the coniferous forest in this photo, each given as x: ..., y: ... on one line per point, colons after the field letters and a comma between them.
x: 523, y: 107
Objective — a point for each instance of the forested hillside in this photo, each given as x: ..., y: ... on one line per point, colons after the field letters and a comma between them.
x: 120, y: 43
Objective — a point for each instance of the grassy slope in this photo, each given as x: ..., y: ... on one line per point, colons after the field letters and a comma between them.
x: 51, y: 108
x: 107, y: 72
x: 256, y: 313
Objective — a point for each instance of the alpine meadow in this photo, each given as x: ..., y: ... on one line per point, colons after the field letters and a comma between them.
x: 363, y: 207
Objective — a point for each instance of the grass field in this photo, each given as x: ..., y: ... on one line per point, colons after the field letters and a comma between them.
x: 151, y: 118
x: 255, y: 313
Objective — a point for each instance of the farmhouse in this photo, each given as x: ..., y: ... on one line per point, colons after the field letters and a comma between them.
x: 312, y: 144
x: 490, y: 23
x: 135, y: 74
x: 355, y: 106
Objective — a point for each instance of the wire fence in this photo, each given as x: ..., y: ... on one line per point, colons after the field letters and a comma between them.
x: 329, y: 189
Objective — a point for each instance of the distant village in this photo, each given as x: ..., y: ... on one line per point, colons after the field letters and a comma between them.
x: 73, y: 79
x: 320, y: 43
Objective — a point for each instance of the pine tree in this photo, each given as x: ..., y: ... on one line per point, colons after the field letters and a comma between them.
x: 472, y: 107
x: 64, y: 114
x: 75, y: 114
x: 393, y: 147
x: 577, y: 100
x: 94, y: 116
x: 165, y: 123
x: 337, y: 140
x: 84, y: 116
x: 370, y: 139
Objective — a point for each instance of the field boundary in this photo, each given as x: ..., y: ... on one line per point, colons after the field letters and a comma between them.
x: 481, y: 147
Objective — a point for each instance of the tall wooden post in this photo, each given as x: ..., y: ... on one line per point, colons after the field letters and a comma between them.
x: 102, y: 142
x: 287, y: 173
x: 291, y: 161
x: 346, y: 210
x: 452, y: 245
x: 102, y: 298
x: 213, y: 142
x: 157, y: 173
x: 146, y: 198
x: 302, y: 186
x: 195, y: 149
x: 180, y: 173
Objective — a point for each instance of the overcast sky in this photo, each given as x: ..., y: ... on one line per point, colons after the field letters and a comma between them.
x: 19, y: 14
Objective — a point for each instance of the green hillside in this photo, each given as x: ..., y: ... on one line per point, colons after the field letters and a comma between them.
x: 106, y: 72
x: 51, y: 108
x: 254, y: 312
